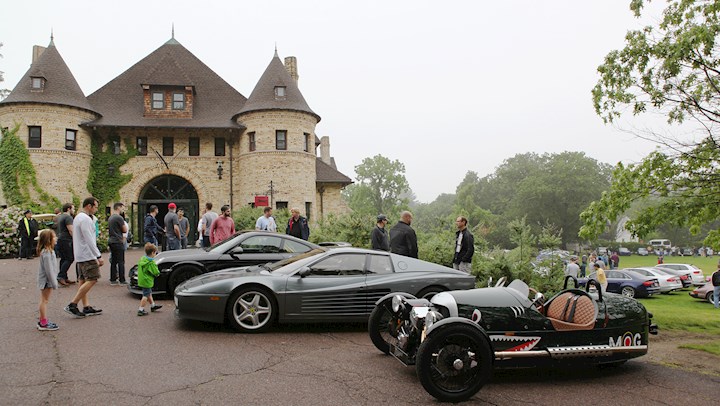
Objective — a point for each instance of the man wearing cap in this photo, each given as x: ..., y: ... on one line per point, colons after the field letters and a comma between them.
x: 379, y: 238
x: 572, y: 267
x: 28, y: 230
x: 172, y: 228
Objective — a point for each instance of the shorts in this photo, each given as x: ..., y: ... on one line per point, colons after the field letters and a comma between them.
x: 146, y: 292
x: 89, y: 270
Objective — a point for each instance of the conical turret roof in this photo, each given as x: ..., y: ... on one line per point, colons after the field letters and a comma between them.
x: 60, y: 86
x: 121, y: 103
x: 263, y: 97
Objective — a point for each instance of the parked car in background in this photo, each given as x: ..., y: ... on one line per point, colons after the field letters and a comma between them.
x: 624, y: 252
x: 685, y: 276
x: 704, y: 292
x: 630, y: 284
x: 686, y: 252
x: 697, y: 275
x: 660, y: 244
x: 642, y: 252
x: 668, y: 281
x: 602, y: 251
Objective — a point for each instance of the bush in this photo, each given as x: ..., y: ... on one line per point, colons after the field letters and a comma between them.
x: 9, y: 241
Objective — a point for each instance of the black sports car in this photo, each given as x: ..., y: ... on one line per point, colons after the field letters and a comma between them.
x: 456, y: 338
x: 338, y: 285
x: 242, y: 249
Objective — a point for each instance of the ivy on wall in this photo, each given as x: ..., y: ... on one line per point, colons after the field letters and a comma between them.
x: 18, y: 176
x: 105, y: 179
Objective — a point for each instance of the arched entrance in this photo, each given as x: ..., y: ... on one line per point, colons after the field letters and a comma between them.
x: 165, y: 189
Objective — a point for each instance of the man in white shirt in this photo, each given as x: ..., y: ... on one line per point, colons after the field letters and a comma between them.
x: 266, y: 222
x: 88, y: 258
x: 572, y: 268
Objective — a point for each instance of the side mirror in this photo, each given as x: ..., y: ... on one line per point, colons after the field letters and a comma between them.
x: 304, y: 271
x: 237, y: 250
x: 539, y: 298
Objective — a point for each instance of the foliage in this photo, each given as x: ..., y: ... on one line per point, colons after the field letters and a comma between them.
x: 354, y: 228
x: 438, y: 247
x: 17, y: 175
x: 552, y: 188
x: 105, y: 178
x: 9, y: 241
x: 672, y: 69
x: 380, y: 185
x: 3, y: 92
x: 549, y: 237
x: 521, y: 235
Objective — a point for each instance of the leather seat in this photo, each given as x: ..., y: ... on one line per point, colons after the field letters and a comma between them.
x: 572, y: 311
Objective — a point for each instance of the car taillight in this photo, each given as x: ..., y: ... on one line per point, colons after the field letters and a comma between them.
x: 672, y: 280
x: 648, y: 283
x: 683, y: 277
x: 696, y: 272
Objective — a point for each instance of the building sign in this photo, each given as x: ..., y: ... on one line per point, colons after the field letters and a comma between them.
x: 261, y: 201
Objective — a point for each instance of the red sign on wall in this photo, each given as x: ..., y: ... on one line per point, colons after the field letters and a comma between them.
x: 261, y: 201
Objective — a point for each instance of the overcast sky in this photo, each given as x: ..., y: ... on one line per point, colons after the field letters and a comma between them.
x: 443, y: 87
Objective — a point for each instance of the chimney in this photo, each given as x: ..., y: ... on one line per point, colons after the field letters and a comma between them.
x: 37, y: 51
x: 325, y: 150
x: 291, y: 66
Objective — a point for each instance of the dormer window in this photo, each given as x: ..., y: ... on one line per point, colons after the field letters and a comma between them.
x: 37, y: 83
x: 158, y: 100
x: 279, y: 92
x: 178, y: 101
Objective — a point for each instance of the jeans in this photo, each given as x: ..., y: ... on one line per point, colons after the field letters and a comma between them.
x: 117, y: 261
x: 65, y: 250
x: 716, y: 296
x: 173, y: 244
x: 206, y: 241
x: 463, y: 266
x: 183, y: 243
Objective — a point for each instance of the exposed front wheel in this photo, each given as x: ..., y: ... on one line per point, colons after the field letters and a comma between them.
x: 381, y: 328
x: 429, y: 292
x: 710, y: 297
x: 628, y: 291
x: 454, y: 362
x: 180, y: 275
x: 251, y: 310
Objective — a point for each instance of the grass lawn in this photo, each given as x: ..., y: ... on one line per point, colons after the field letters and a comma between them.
x: 707, y: 264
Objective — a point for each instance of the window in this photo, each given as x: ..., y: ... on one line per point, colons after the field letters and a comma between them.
x: 141, y: 145
x: 178, y: 101
x: 219, y: 146
x: 116, y: 147
x: 280, y: 139
x: 70, y: 136
x: 340, y: 265
x: 281, y: 205
x: 265, y: 244
x: 306, y: 148
x: 380, y: 264
x: 279, y: 92
x: 158, y: 100
x: 35, y: 138
x: 194, y: 146
x: 308, y: 210
x: 251, y: 141
x: 37, y: 83
x: 168, y: 146
x: 294, y: 247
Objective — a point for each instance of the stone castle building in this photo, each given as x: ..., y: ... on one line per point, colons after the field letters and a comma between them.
x: 198, y: 139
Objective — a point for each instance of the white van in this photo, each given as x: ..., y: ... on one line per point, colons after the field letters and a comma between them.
x: 660, y: 244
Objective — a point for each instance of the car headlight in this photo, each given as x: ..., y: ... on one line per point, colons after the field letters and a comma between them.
x: 431, y: 318
x: 397, y: 303
x: 418, y: 313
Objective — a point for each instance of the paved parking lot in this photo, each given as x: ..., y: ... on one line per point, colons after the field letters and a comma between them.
x: 119, y: 358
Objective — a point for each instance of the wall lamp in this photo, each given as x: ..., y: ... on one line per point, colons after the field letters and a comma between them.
x: 219, y: 169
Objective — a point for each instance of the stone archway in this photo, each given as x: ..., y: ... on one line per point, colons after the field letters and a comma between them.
x: 165, y: 189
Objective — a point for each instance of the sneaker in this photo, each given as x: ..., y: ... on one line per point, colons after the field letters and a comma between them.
x: 142, y: 312
x: 48, y: 327
x: 114, y: 283
x: 155, y: 308
x: 90, y: 311
x: 62, y: 282
x: 123, y: 282
x: 73, y: 309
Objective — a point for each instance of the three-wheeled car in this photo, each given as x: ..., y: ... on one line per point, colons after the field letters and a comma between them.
x: 456, y: 338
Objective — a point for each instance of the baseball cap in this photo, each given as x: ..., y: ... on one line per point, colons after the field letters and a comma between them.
x: 381, y: 217
x: 172, y: 206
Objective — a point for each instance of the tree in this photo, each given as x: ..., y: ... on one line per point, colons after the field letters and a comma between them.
x: 672, y: 69
x: 3, y: 92
x: 380, y: 185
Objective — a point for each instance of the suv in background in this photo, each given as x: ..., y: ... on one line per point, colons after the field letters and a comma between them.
x: 602, y: 251
x: 643, y: 252
x: 624, y: 252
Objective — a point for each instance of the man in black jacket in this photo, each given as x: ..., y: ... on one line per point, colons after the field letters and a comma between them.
x: 403, y: 240
x: 378, y: 237
x: 28, y: 230
x: 464, y: 246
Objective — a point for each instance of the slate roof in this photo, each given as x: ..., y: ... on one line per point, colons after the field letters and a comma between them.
x: 263, y: 96
x: 120, y: 101
x: 327, y: 174
x: 60, y: 84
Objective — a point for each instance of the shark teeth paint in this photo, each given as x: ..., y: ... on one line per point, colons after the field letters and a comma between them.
x: 520, y: 343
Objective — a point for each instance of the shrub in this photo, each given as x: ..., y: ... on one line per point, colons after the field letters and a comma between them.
x: 9, y: 241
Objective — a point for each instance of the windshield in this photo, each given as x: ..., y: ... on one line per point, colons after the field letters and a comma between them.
x: 226, y: 244
x: 520, y: 286
x: 289, y: 265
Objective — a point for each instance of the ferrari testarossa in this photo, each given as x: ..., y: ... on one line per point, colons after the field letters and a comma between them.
x: 456, y: 338
x: 337, y: 285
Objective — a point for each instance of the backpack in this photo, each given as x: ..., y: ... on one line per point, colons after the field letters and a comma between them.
x: 716, y: 278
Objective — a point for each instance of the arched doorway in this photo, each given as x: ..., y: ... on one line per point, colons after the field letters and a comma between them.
x: 165, y: 189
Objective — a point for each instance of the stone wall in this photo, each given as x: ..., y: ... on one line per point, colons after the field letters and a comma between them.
x: 332, y: 201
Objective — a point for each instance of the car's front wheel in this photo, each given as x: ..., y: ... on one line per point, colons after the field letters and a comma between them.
x: 380, y: 326
x: 454, y: 362
x: 251, y: 310
x: 628, y: 291
x: 710, y: 297
x: 180, y: 275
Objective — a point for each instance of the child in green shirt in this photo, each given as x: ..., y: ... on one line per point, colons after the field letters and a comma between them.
x: 146, y: 273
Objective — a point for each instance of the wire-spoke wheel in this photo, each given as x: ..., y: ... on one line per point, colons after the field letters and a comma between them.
x: 251, y: 310
x: 382, y: 327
